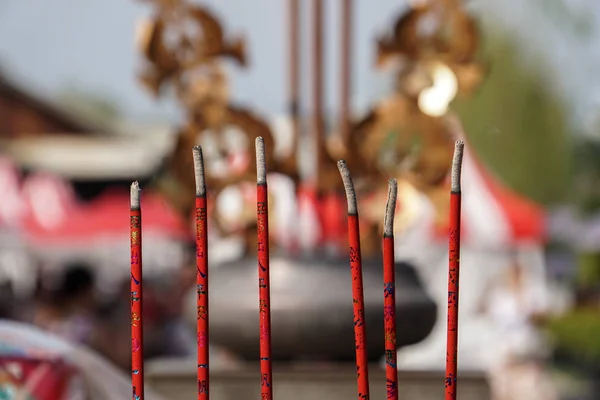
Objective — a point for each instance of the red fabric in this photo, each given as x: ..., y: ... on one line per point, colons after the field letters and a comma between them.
x: 331, y: 212
x: 308, y: 201
x: 333, y: 209
x: 51, y: 384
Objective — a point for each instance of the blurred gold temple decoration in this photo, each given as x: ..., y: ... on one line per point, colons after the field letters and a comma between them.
x: 180, y: 38
x: 183, y: 45
x: 409, y: 134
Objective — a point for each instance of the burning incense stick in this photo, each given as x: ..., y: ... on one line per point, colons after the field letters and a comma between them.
x: 264, y: 297
x: 453, y: 274
x: 201, y: 274
x: 360, y: 334
x: 389, y: 293
x: 137, y: 337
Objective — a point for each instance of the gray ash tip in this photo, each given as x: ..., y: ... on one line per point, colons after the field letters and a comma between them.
x: 390, y: 208
x: 199, y: 171
x: 349, y: 187
x: 261, y: 164
x: 457, y: 165
x: 135, y: 196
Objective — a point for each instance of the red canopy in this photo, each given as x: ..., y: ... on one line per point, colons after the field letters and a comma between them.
x: 107, y: 217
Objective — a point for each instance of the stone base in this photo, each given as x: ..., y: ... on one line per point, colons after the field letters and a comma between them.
x: 176, y: 379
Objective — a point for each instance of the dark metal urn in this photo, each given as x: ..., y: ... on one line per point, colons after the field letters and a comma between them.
x: 311, y: 308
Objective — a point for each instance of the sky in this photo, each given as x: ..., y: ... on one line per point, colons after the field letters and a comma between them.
x: 53, y: 44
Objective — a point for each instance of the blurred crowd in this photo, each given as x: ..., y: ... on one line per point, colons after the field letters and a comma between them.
x: 68, y: 304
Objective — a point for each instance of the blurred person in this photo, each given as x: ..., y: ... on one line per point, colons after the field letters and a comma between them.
x: 518, y: 347
x: 164, y: 300
x: 8, y: 304
x: 68, y: 309
x: 112, y: 336
x: 165, y: 332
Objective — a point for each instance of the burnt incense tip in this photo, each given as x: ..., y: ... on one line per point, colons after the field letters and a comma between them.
x: 261, y: 164
x: 135, y: 195
x: 348, y: 187
x: 390, y: 208
x: 457, y: 165
x: 199, y: 170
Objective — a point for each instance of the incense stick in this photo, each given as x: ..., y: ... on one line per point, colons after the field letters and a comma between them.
x: 137, y: 337
x: 264, y: 300
x: 389, y: 293
x: 453, y: 274
x: 360, y: 334
x: 201, y: 275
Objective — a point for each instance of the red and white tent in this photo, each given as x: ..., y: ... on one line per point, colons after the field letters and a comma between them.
x: 498, y: 225
x: 494, y: 215
x: 52, y: 224
x: 63, y: 220
x: 98, y: 231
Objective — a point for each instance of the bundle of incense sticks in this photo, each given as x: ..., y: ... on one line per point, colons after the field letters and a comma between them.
x: 262, y: 208
x: 389, y: 283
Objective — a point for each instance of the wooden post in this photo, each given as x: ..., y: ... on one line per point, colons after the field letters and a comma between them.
x: 318, y: 125
x: 346, y: 71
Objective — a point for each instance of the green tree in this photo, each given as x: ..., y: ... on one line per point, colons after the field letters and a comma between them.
x: 517, y: 125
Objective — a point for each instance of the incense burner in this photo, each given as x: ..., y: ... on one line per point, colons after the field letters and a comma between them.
x: 311, y: 308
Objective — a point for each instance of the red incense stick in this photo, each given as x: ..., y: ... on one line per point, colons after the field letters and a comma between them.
x: 137, y: 342
x: 453, y: 274
x: 360, y: 334
x: 389, y: 293
x: 201, y: 274
x: 264, y: 289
